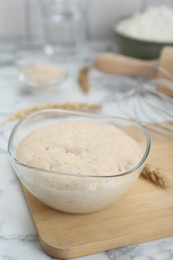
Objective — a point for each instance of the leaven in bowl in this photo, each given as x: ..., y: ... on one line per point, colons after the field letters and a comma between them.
x: 75, y: 192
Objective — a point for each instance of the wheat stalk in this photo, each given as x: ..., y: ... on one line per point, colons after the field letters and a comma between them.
x: 153, y: 175
x: 66, y: 106
x: 83, y: 79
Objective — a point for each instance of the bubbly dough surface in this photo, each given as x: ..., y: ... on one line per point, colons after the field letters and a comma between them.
x: 80, y: 147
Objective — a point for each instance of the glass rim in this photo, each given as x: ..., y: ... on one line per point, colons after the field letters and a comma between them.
x: 70, y: 112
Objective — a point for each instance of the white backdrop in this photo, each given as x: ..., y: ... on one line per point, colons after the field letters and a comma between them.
x: 102, y: 14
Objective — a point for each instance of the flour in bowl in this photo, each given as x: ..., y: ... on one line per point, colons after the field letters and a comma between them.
x: 154, y: 24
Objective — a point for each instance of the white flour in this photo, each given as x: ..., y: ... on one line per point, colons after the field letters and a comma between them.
x: 85, y: 148
x: 155, y: 24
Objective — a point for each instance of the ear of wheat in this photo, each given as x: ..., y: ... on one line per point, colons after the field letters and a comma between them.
x: 68, y: 106
x: 83, y: 79
x: 153, y: 175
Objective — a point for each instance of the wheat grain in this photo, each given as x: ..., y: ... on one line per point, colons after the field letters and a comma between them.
x: 153, y: 175
x: 83, y: 79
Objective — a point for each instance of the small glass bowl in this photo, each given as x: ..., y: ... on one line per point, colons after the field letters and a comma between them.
x: 34, y: 76
x: 71, y: 192
x: 37, y: 73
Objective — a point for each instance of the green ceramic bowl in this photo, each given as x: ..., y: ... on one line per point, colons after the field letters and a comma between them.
x: 137, y: 48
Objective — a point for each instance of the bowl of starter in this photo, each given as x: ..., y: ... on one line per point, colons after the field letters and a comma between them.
x: 143, y: 35
x: 76, y: 162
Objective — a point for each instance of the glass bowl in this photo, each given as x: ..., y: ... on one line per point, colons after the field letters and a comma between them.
x: 41, y: 76
x: 37, y: 73
x: 75, y: 192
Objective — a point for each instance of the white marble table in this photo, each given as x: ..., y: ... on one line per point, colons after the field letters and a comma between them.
x: 18, y: 239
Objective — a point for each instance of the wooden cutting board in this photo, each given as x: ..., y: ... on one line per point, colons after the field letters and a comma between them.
x: 144, y: 213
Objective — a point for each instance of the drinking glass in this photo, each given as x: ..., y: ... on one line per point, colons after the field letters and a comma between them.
x: 65, y: 26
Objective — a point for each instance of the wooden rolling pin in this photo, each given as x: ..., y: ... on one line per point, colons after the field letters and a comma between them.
x: 118, y: 64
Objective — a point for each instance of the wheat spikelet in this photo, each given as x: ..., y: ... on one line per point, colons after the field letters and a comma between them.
x: 153, y: 175
x: 67, y: 106
x: 83, y: 79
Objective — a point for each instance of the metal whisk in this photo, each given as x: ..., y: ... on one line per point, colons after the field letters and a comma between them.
x: 148, y: 105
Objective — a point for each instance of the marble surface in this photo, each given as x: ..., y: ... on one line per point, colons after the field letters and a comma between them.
x: 18, y: 239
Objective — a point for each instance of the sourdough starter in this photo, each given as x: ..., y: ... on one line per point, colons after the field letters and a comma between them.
x: 79, y: 154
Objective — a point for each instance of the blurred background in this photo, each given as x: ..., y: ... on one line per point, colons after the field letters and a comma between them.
x: 23, y: 19
x: 52, y: 45
x: 19, y: 16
